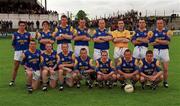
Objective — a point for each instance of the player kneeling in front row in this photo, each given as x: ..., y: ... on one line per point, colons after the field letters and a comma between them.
x: 31, y: 62
x: 84, y: 68
x: 105, y: 70
x: 65, y: 66
x: 49, y: 67
x: 150, y: 71
x: 127, y: 69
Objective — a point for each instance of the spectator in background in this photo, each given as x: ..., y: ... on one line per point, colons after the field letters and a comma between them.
x: 37, y: 24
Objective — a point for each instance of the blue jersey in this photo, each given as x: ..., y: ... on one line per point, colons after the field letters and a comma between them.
x: 150, y: 68
x: 104, y: 45
x: 104, y: 67
x: 82, y: 65
x: 162, y: 36
x: 21, y: 41
x: 68, y: 59
x: 60, y: 31
x: 139, y: 34
x: 32, y: 60
x: 49, y: 60
x: 44, y: 35
x: 81, y: 32
x: 127, y: 67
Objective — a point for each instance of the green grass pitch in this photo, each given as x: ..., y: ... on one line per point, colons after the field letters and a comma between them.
x: 18, y: 96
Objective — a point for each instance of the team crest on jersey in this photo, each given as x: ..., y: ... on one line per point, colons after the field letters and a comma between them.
x: 29, y: 57
x: 107, y: 65
x: 62, y: 59
x: 60, y: 31
x: 124, y: 64
x: 99, y: 33
x: 79, y: 32
x: 47, y: 59
x: 152, y: 65
x: 101, y: 65
x: 145, y: 66
x: 18, y: 37
x: 137, y: 34
x: 131, y: 64
x: 164, y: 33
x: 145, y: 33
x: 80, y: 63
x: 156, y: 34
x: 26, y: 36
x: 69, y: 57
x: 42, y: 35
x: 67, y: 30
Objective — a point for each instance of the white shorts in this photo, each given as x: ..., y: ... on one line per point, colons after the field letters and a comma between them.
x: 140, y: 52
x: 36, y: 75
x: 78, y: 48
x: 18, y: 55
x: 119, y: 52
x: 54, y: 76
x: 97, y: 53
x: 162, y: 55
x: 60, y: 50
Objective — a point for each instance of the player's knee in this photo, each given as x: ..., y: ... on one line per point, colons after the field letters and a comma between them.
x: 44, y: 72
x: 99, y: 78
x: 137, y: 77
x: 114, y: 77
x: 60, y: 71
x: 142, y: 79
x: 29, y: 73
x: 161, y: 77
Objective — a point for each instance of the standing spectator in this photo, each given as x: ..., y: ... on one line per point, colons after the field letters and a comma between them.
x: 37, y: 24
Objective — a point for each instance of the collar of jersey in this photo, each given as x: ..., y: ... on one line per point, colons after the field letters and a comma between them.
x: 48, y: 53
x: 63, y: 27
x: 21, y: 33
x: 128, y: 61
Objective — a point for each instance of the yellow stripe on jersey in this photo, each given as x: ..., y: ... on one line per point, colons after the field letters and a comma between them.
x: 140, y: 63
x: 150, y: 34
x: 119, y: 62
x: 158, y: 64
x: 137, y: 62
x: 170, y: 33
x: 91, y: 62
x: 72, y: 29
x: 75, y: 32
x: 76, y: 62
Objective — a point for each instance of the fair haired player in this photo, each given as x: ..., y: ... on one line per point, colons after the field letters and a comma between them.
x: 105, y: 70
x: 141, y: 40
x: 31, y: 62
x: 101, y: 39
x: 121, y: 37
x: 63, y: 34
x: 160, y: 42
x: 81, y: 37
x: 150, y: 71
x: 20, y: 43
x: 65, y: 66
x: 50, y: 60
x: 45, y: 36
x: 127, y: 69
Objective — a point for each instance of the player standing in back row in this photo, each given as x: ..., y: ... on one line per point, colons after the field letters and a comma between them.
x: 63, y: 34
x: 160, y: 42
x: 20, y: 43
x: 101, y: 40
